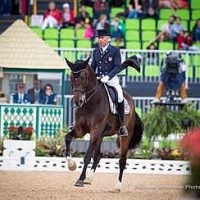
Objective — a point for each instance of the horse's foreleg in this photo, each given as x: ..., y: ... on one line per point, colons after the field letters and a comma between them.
x: 87, y: 159
x: 68, y: 139
x: 96, y: 159
x: 122, y: 160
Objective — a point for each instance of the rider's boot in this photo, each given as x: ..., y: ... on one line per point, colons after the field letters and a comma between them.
x: 122, y: 130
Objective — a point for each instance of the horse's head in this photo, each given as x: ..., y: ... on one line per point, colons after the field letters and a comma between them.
x: 80, y: 79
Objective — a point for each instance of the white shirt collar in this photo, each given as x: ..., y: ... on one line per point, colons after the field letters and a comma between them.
x: 104, y: 48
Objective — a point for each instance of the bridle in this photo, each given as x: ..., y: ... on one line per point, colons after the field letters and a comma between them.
x: 86, y: 95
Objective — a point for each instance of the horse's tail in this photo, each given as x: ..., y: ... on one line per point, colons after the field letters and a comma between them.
x: 137, y: 133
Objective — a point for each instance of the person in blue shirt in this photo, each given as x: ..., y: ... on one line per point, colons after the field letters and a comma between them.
x: 48, y: 96
x: 21, y: 97
x: 106, y: 63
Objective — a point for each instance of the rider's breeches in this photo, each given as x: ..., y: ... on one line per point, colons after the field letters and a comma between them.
x: 161, y: 88
x: 114, y: 82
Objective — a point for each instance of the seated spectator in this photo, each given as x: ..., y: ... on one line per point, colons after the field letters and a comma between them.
x: 117, y: 28
x: 165, y: 33
x: 184, y: 41
x: 67, y: 16
x: 101, y: 7
x: 35, y: 93
x: 134, y: 9
x: 196, y: 31
x: 152, y: 57
x: 150, y: 8
x: 176, y: 28
x: 82, y: 17
x: 48, y: 97
x: 20, y: 97
x: 89, y: 32
x: 51, y: 16
x: 173, y: 4
x: 103, y: 23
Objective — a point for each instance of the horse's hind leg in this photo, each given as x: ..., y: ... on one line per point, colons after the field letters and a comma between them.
x: 122, y: 160
x: 96, y: 159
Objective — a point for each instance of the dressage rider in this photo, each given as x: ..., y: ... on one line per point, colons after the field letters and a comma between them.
x: 106, y: 63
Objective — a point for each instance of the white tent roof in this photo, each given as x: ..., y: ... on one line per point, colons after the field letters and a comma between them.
x: 20, y: 47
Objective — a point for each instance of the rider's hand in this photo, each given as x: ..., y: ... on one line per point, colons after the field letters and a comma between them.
x: 105, y: 79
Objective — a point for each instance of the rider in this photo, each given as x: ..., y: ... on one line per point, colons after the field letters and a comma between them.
x: 106, y: 63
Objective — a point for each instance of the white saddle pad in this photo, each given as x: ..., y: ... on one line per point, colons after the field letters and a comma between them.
x: 113, y: 106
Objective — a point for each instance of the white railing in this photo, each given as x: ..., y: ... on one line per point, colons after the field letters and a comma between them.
x: 151, y: 63
x: 142, y: 104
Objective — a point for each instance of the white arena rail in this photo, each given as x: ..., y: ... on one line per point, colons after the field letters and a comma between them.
x: 20, y: 156
x: 151, y: 62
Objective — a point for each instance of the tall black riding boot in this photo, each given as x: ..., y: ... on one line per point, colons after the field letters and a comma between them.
x: 122, y: 130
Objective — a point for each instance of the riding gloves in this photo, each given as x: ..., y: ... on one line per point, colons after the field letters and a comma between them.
x: 105, y: 79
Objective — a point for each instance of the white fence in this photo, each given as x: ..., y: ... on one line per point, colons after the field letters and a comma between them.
x: 142, y: 104
x: 20, y: 155
x: 151, y: 63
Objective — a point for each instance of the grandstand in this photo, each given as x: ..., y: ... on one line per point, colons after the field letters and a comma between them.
x: 139, y: 33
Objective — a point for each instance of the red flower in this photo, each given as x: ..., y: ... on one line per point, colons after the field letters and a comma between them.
x: 191, y: 142
x: 28, y: 130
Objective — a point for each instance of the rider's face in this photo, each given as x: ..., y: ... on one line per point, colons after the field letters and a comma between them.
x: 104, y: 40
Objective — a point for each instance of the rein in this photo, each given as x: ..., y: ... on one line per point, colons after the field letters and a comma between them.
x: 85, y: 98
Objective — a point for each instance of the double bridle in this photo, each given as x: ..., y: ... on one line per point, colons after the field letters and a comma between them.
x: 87, y: 95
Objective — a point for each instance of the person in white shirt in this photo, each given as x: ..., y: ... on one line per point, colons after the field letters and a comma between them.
x: 20, y: 96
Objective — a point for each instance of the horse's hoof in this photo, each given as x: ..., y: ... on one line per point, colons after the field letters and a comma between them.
x: 88, y: 181
x: 118, y: 187
x: 89, y: 178
x: 79, y: 183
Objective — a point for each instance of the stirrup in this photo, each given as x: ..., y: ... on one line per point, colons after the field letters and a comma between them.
x: 123, y: 131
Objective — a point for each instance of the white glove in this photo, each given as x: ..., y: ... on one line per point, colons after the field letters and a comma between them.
x: 105, y: 79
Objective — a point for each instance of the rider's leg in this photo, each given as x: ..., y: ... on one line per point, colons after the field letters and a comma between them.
x: 114, y: 82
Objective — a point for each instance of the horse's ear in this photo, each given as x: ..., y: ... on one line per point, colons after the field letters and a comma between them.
x: 87, y: 61
x: 69, y: 63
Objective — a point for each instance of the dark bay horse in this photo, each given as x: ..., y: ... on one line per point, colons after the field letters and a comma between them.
x: 93, y: 116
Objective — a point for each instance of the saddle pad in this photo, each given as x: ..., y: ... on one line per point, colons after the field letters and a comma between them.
x: 113, y: 105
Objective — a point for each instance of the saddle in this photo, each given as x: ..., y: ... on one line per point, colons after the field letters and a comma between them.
x: 113, y: 100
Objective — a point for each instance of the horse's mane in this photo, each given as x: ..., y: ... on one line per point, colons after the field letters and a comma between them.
x: 92, y: 74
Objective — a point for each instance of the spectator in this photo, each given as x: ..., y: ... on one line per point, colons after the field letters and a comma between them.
x: 184, y: 41
x: 166, y: 32
x: 176, y: 28
x: 117, y: 28
x: 67, y: 16
x: 196, y: 31
x: 48, y: 97
x: 173, y: 4
x: 150, y: 8
x: 119, y: 43
x: 82, y: 17
x: 135, y: 9
x: 152, y: 57
x: 20, y: 97
x: 101, y: 7
x: 51, y: 16
x: 89, y: 33
x: 87, y: 3
x: 35, y: 93
x: 103, y: 23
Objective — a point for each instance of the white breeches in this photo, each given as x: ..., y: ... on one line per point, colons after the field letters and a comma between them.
x: 114, y: 82
x: 49, y: 21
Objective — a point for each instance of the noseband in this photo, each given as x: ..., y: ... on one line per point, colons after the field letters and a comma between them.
x: 86, y: 95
